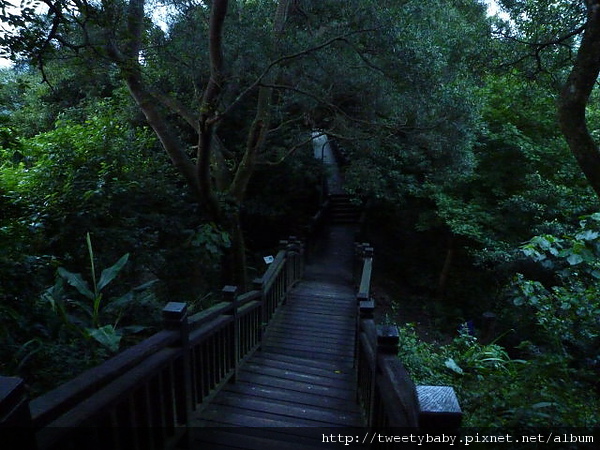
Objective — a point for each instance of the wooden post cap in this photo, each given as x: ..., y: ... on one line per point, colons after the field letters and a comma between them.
x: 366, y: 309
x: 438, y: 407
x: 388, y: 339
x: 229, y: 292
x: 257, y: 284
x: 174, y: 312
x: 362, y: 297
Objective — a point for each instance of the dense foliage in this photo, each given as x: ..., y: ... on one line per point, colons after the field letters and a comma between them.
x: 140, y: 156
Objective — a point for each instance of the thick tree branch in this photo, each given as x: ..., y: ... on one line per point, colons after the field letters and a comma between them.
x: 289, y: 152
x: 558, y: 40
x: 135, y: 28
x: 170, y: 143
x: 575, y: 96
x: 176, y: 106
x: 538, y: 47
x: 130, y: 70
x: 282, y: 59
x: 320, y: 99
x: 208, y: 108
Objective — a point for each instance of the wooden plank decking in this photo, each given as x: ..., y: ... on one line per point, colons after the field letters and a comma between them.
x: 303, y: 376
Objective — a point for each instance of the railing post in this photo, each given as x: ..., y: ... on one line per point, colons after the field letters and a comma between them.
x: 365, y: 312
x: 16, y: 426
x: 257, y: 285
x: 290, y: 264
x: 230, y: 295
x: 302, y: 248
x: 388, y: 339
x: 295, y: 255
x: 281, y: 284
x: 175, y: 318
x: 358, y: 263
x: 366, y: 308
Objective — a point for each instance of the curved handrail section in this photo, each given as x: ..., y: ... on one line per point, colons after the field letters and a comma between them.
x: 385, y: 391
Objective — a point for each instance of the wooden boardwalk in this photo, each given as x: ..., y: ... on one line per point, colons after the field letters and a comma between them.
x: 303, y: 376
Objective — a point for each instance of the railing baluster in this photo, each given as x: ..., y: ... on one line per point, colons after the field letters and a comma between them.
x: 175, y: 318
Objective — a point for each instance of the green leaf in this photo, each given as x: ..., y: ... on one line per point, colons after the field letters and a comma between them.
x: 120, y: 303
x: 107, y: 336
x: 451, y: 364
x: 75, y: 280
x: 145, y: 286
x: 587, y: 235
x: 574, y: 259
x: 133, y: 329
x: 109, y: 274
x: 86, y: 308
x: 543, y: 405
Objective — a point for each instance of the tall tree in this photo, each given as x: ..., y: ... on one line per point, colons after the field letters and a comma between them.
x: 215, y: 99
x: 561, y: 40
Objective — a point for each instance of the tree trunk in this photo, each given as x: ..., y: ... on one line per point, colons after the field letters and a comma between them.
x: 575, y: 96
x: 234, y: 261
x: 204, y: 176
x: 443, y: 280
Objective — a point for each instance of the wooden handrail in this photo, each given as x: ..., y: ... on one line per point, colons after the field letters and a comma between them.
x: 148, y: 392
x: 49, y: 406
x: 385, y: 390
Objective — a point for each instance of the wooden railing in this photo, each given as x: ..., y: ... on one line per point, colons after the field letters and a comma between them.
x: 385, y: 391
x: 144, y: 397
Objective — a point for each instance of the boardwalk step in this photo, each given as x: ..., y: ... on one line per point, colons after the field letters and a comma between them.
x: 227, y: 415
x: 301, y: 365
x: 298, y: 386
x: 344, y: 210
x: 332, y: 322
x: 257, y: 407
x: 331, y: 353
x: 323, y: 365
x: 309, y: 354
x: 286, y: 395
x: 314, y: 337
x: 297, y: 375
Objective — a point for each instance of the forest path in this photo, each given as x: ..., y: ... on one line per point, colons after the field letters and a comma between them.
x: 302, y: 382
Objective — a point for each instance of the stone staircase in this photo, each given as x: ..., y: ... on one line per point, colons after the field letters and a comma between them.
x: 344, y: 210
